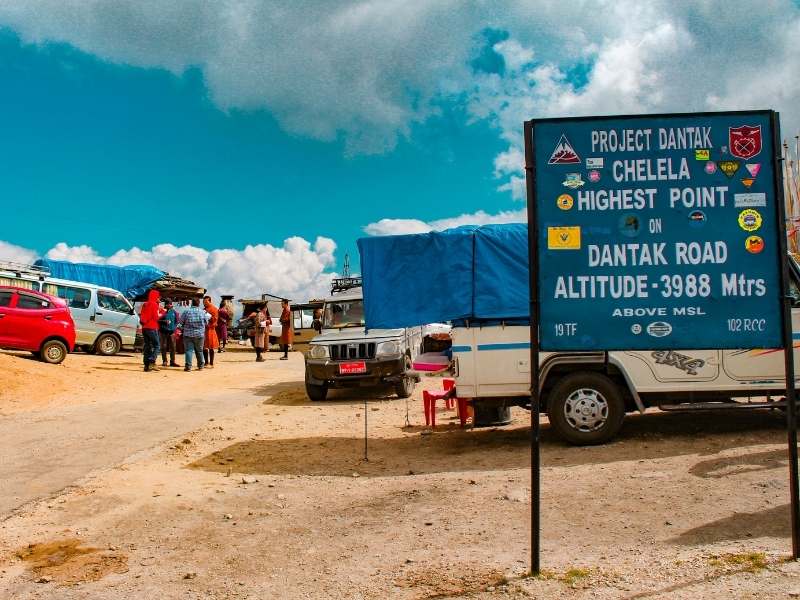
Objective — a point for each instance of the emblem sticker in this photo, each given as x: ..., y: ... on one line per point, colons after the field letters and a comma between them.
x: 594, y: 176
x: 563, y: 238
x: 749, y: 200
x: 679, y: 361
x: 710, y: 168
x: 594, y: 163
x: 745, y: 141
x: 636, y: 329
x: 564, y: 153
x: 754, y: 244
x: 747, y: 182
x: 753, y: 169
x: 697, y: 218
x: 749, y: 219
x: 702, y: 154
x: 573, y: 181
x: 564, y: 202
x: 629, y: 225
x: 729, y: 167
x: 659, y: 329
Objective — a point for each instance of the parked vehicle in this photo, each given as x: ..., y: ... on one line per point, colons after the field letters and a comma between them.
x: 36, y: 322
x: 586, y: 395
x: 105, y: 321
x: 346, y: 355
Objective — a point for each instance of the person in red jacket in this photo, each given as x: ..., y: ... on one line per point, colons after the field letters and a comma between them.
x: 148, y: 317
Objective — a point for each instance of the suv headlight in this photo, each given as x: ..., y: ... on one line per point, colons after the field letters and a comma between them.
x: 387, y: 348
x: 318, y: 351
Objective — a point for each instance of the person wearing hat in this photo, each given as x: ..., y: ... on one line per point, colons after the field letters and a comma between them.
x: 167, y: 323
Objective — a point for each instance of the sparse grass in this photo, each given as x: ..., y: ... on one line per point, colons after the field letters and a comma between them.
x: 571, y: 576
x: 748, y: 562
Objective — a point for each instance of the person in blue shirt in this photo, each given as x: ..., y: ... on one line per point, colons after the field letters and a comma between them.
x: 193, y: 329
x: 167, y: 323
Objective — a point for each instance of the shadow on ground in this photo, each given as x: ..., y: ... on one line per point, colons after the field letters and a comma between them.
x: 293, y: 393
x: 770, y: 522
x: 645, y: 437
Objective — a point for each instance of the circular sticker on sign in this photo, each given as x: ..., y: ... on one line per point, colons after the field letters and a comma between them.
x: 564, y: 202
x: 697, y: 218
x: 594, y: 176
x: 754, y: 244
x: 636, y: 329
x: 629, y: 225
x: 710, y: 168
x: 749, y: 219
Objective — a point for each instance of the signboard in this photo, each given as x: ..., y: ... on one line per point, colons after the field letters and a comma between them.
x: 657, y: 232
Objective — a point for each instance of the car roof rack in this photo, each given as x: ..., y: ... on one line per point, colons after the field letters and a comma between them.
x: 342, y: 284
x: 23, y: 269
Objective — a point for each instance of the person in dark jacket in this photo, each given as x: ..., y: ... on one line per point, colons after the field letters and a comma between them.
x: 166, y: 330
x: 148, y: 317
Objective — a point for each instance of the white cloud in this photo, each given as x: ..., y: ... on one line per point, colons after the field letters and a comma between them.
x: 17, y: 254
x: 404, y: 226
x: 296, y: 270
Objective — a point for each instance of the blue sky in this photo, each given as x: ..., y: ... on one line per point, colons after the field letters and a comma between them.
x: 247, y: 145
x: 117, y: 156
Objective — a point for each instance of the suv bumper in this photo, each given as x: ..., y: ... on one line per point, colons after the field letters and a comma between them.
x: 326, y: 372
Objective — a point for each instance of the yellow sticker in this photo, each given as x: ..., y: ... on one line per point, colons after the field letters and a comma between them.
x: 564, y: 202
x: 703, y: 154
x: 563, y: 238
x: 749, y: 219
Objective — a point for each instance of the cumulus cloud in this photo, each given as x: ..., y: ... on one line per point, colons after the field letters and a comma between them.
x: 17, y: 254
x: 403, y: 226
x: 297, y: 270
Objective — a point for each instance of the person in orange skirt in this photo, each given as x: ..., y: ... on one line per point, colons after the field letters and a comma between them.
x: 287, y: 333
x: 211, y: 341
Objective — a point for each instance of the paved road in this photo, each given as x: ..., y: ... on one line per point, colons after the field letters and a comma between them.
x: 44, y: 452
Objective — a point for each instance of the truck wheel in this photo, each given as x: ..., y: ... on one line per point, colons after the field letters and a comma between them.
x: 53, y: 352
x: 316, y: 393
x: 107, y: 345
x: 586, y: 408
x: 405, y: 387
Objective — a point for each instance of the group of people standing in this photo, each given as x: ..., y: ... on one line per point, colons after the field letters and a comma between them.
x: 259, y: 324
x: 202, y: 332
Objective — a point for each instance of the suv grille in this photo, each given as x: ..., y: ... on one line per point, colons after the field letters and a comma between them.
x: 351, y: 351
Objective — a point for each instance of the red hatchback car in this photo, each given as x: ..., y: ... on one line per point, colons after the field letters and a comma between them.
x: 37, y: 322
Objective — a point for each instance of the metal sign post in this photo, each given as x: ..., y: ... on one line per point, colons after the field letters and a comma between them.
x: 533, y: 234
x: 788, y: 344
x: 658, y: 233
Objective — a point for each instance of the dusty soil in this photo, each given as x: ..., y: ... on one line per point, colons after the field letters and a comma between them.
x: 275, y: 500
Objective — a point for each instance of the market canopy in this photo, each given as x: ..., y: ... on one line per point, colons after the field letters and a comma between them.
x: 470, y: 272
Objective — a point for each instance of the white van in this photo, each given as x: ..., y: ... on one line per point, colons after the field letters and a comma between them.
x: 105, y: 320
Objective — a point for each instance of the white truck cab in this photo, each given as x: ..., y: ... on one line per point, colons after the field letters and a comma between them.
x: 346, y: 354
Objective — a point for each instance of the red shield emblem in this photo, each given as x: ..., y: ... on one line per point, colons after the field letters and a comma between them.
x: 745, y: 141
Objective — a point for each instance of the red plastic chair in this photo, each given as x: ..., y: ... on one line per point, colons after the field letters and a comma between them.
x: 429, y: 401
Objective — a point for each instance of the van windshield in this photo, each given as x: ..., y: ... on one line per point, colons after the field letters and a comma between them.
x: 344, y: 313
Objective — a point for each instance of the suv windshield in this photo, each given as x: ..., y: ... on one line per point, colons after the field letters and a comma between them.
x: 344, y: 313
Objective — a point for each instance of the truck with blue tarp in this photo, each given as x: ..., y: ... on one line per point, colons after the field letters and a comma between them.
x: 477, y: 278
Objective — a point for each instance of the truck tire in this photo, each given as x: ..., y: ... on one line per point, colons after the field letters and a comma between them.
x: 405, y: 387
x: 107, y: 345
x: 316, y: 393
x: 586, y: 408
x: 53, y: 352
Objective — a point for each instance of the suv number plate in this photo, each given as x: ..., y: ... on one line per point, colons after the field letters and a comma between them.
x: 352, y: 368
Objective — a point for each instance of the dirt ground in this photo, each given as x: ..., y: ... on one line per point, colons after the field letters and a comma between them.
x: 274, y: 500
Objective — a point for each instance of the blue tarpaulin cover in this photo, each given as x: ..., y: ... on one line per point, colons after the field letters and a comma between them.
x: 470, y: 272
x: 131, y: 280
